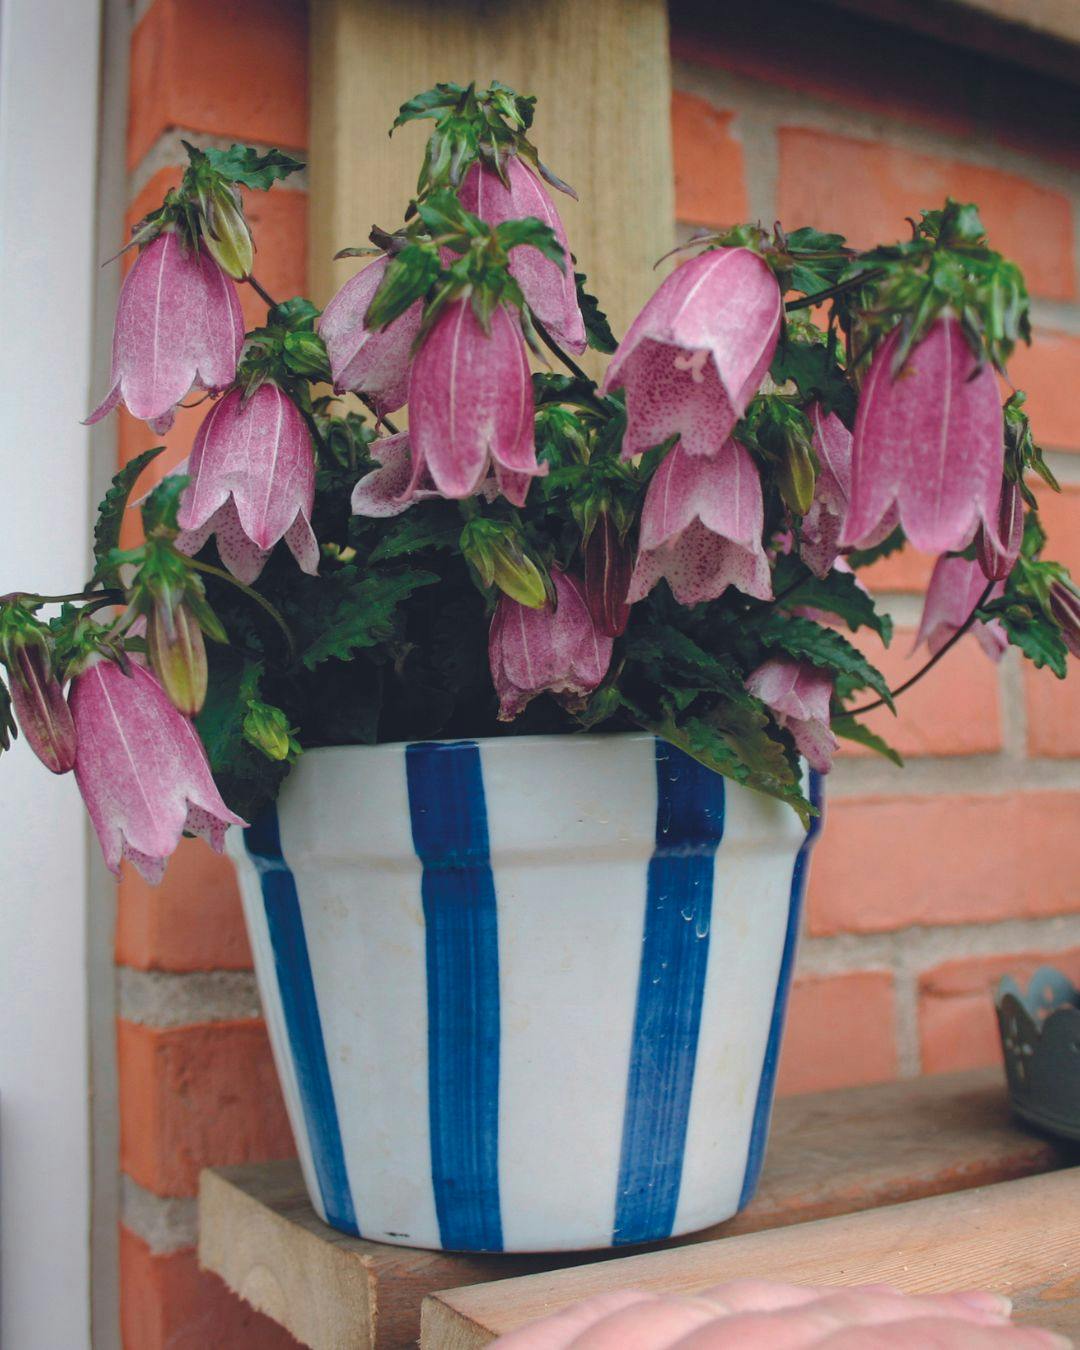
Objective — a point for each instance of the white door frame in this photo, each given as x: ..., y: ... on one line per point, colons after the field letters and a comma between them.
x: 49, y: 128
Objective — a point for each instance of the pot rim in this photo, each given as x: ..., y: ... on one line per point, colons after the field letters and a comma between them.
x: 568, y: 738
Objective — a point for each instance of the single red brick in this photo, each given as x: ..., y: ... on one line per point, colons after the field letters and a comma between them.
x: 904, y: 571
x: 891, y: 862
x: 1053, y: 712
x: 957, y: 1024
x: 249, y: 79
x: 866, y: 189
x: 192, y: 921
x: 953, y: 710
x: 168, y: 1303
x: 841, y: 1032
x: 710, y: 186
x: 197, y: 1096
x: 1049, y: 371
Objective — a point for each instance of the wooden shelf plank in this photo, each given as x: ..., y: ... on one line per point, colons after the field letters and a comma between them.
x: 830, y: 1153
x: 1017, y: 1238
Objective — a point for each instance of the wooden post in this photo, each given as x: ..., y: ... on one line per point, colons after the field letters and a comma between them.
x: 601, y: 72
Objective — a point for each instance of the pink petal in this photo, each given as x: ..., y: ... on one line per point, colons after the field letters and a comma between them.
x: 369, y: 361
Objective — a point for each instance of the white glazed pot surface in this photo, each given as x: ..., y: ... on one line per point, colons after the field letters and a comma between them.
x: 524, y: 994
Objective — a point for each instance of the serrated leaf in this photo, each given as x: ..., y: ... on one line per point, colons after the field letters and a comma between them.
x: 429, y: 104
x: 364, y: 615
x: 1037, y: 638
x: 114, y: 504
x: 415, y: 534
x: 823, y: 647
x: 243, y: 164
x: 597, y: 329
x: 853, y: 730
x: 408, y: 278
x: 533, y: 233
x: 839, y: 593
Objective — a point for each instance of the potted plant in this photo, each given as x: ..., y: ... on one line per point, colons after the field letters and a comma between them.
x: 547, y: 682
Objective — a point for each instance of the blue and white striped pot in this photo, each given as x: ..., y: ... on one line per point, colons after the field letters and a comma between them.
x: 524, y: 994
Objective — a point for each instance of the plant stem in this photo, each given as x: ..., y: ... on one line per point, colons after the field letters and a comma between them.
x: 370, y: 406
x: 113, y: 597
x: 553, y: 347
x: 900, y: 688
x: 841, y: 286
x: 252, y: 594
x: 262, y: 293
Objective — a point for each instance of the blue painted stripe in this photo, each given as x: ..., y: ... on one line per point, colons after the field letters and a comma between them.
x: 301, y: 1010
x: 671, y: 983
x: 759, y: 1131
x: 450, y: 835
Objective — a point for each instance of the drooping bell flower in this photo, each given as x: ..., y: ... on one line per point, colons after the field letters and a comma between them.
x: 954, y: 590
x: 929, y: 442
x: 252, y: 475
x: 141, y: 769
x: 178, y: 328
x: 549, y: 291
x: 998, y: 549
x: 609, y: 565
x: 471, y: 405
x: 555, y: 650
x: 698, y: 352
x: 822, y: 524
x: 701, y: 528
x: 37, y: 698
x: 369, y: 361
x: 389, y: 489
x: 798, y: 695
x: 1065, y: 607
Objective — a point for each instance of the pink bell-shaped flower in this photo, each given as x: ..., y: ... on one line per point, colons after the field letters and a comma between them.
x: 822, y: 524
x: 928, y: 442
x: 549, y: 291
x: 698, y: 352
x: 954, y: 590
x: 471, y: 405
x: 389, y: 489
x: 252, y: 475
x: 42, y: 711
x: 369, y: 361
x: 701, y: 528
x: 998, y: 549
x: 798, y: 695
x: 178, y: 328
x: 141, y: 769
x: 557, y: 650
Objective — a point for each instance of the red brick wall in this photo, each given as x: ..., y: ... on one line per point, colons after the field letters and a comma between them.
x: 927, y: 884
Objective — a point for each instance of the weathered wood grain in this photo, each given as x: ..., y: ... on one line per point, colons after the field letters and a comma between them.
x: 830, y: 1153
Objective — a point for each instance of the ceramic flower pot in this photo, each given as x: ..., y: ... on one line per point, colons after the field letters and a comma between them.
x: 527, y: 993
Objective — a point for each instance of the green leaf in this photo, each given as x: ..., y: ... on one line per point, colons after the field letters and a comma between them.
x: 838, y: 593
x: 408, y: 278
x: 416, y: 533
x: 247, y: 778
x: 112, y: 508
x: 532, y: 233
x: 808, y: 641
x: 597, y: 329
x: 853, y: 730
x: 431, y: 103
x: 364, y: 615
x: 160, y: 508
x: 1037, y: 638
x: 242, y: 164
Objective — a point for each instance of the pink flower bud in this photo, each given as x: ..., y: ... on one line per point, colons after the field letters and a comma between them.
x: 798, y: 695
x: 698, y: 352
x: 1065, y: 607
x: 178, y: 328
x: 252, y: 483
x: 366, y: 360
x: 471, y: 405
x: 822, y: 524
x: 141, y: 769
x: 177, y: 654
x: 554, y: 650
x: 701, y: 528
x: 608, y: 568
x: 40, y: 707
x: 954, y: 590
x: 928, y: 442
x: 549, y: 291
x: 998, y: 549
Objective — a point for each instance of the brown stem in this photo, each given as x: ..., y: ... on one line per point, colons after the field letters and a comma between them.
x: 263, y: 294
x: 841, y: 286
x: 385, y: 421
x: 900, y: 688
x: 554, y: 348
